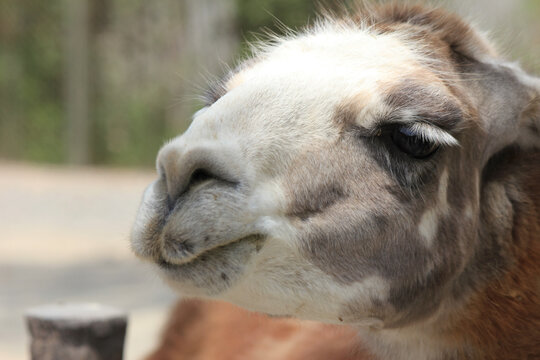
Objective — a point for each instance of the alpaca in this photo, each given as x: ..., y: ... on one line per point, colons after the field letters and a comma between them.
x: 376, y: 176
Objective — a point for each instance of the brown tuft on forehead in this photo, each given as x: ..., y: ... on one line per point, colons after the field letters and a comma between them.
x: 460, y: 37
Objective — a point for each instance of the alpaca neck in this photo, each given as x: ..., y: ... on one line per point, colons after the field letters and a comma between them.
x: 501, y: 319
x: 498, y: 317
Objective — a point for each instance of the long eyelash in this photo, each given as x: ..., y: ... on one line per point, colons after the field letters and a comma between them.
x: 433, y: 134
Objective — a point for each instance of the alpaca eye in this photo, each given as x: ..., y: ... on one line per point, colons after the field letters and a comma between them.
x: 412, y: 143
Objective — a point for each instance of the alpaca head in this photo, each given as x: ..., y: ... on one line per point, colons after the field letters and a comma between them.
x: 337, y: 175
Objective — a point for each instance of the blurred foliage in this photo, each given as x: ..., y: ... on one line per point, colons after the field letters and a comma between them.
x: 143, y: 56
x: 31, y: 119
x: 132, y: 77
x: 258, y: 17
x: 255, y: 15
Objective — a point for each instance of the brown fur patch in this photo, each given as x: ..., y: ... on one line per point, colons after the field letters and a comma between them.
x: 503, y: 320
x: 460, y: 37
x: 531, y: 115
x: 347, y: 113
x: 201, y: 330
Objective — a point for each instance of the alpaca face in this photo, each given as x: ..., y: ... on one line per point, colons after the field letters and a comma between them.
x: 337, y: 178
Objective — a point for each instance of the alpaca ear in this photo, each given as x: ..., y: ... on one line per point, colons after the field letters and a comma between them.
x: 529, y: 121
x: 509, y: 108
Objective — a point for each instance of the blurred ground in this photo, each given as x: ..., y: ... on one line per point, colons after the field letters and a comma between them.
x: 64, y: 237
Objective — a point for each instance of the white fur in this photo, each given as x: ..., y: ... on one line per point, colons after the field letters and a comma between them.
x: 442, y: 205
x: 282, y: 282
x: 428, y: 225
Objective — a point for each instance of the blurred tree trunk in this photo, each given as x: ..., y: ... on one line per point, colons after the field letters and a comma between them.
x: 77, y: 80
x: 210, y: 32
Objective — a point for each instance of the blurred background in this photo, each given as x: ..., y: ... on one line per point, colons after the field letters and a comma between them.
x: 89, y: 91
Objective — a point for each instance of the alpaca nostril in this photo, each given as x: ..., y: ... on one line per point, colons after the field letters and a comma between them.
x: 200, y: 176
x: 183, y: 170
x: 176, y: 186
x: 197, y: 177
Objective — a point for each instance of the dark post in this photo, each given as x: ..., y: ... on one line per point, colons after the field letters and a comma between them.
x: 76, y: 331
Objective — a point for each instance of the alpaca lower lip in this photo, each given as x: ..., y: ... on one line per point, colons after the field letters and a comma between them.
x: 214, y: 270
